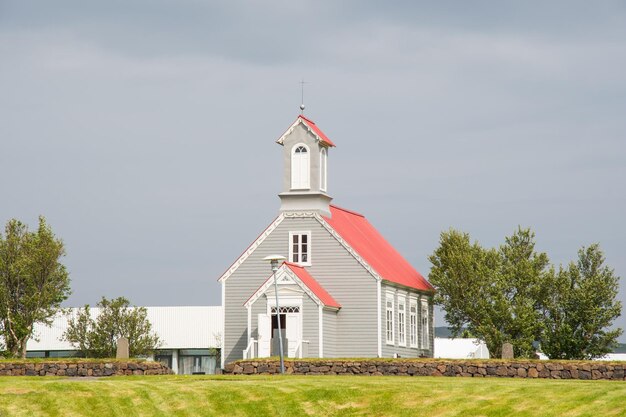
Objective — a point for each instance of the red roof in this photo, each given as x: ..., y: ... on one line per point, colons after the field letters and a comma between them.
x: 311, y: 124
x: 374, y: 249
x: 308, y: 281
x: 313, y: 285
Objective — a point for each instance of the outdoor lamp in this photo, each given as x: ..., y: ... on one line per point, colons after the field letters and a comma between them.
x: 274, y: 261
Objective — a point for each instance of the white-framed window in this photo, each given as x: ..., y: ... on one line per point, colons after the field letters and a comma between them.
x: 401, y: 321
x: 413, y: 323
x: 300, y: 248
x: 300, y: 171
x: 425, y: 341
x: 323, y: 169
x: 389, y: 319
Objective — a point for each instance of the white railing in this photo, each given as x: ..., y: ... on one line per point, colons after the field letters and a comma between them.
x: 302, y: 348
x: 250, y: 351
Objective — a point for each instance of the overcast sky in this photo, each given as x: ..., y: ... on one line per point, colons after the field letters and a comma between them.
x: 144, y: 130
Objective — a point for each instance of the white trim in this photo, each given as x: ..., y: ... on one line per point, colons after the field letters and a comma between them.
x: 279, y: 274
x: 424, y: 324
x: 308, y: 252
x: 249, y: 308
x: 252, y: 248
x: 292, y: 301
x: 389, y: 296
x: 345, y: 244
x: 300, y: 167
x: 413, y: 303
x: 402, y: 323
x: 380, y: 318
x: 223, y: 353
x: 293, y: 126
x: 320, y: 317
x: 324, y: 169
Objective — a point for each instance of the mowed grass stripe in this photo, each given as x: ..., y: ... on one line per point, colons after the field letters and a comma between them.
x: 308, y: 395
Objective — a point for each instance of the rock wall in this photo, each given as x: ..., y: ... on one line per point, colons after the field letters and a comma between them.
x: 433, y: 367
x: 82, y: 368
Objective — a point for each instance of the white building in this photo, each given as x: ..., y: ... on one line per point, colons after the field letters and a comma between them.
x: 190, y: 337
x: 460, y: 348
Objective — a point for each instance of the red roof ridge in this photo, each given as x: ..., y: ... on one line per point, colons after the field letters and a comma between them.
x: 311, y: 283
x: 306, y: 118
x: 309, y: 124
x: 347, y: 211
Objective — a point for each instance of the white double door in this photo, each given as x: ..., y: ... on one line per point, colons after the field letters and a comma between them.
x: 292, y: 333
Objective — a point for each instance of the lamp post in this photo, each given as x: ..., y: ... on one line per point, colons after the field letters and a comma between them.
x: 274, y: 261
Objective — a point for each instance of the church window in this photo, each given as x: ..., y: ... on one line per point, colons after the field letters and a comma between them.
x: 300, y: 248
x: 401, y: 321
x: 300, y: 171
x: 413, y: 323
x: 389, y: 319
x: 425, y: 341
x: 323, y: 169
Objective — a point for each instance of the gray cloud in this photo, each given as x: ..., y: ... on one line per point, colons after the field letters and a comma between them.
x: 144, y: 130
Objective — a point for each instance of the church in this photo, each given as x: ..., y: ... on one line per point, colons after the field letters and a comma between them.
x: 343, y: 290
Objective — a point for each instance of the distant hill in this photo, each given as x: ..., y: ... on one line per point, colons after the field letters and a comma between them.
x: 620, y: 348
x: 443, y: 331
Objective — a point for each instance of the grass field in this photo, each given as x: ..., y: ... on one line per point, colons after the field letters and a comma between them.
x: 308, y: 396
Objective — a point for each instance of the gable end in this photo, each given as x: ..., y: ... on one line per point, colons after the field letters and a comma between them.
x: 351, y: 251
x: 251, y: 248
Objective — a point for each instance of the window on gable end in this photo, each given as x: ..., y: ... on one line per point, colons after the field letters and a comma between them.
x: 300, y: 248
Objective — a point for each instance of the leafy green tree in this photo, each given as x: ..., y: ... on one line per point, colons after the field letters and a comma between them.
x: 580, y: 307
x: 491, y: 293
x: 97, y: 336
x: 33, y: 282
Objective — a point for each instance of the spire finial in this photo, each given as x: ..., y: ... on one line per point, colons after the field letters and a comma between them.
x: 302, y: 95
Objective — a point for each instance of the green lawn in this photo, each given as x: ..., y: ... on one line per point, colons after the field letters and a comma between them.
x: 308, y: 395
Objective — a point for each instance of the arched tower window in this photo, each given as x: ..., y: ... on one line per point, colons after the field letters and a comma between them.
x: 323, y: 169
x: 300, y: 171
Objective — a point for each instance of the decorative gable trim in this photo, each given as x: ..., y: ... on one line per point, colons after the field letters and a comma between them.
x: 288, y: 132
x: 301, y: 121
x: 345, y: 244
x: 283, y: 274
x: 268, y: 231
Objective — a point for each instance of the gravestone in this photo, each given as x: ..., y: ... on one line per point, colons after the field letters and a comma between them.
x: 507, y: 351
x: 122, y: 348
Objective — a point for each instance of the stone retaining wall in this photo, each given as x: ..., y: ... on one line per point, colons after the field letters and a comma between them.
x: 430, y: 367
x: 82, y: 369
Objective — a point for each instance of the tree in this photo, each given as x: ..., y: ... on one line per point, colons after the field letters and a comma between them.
x: 97, y: 337
x: 492, y: 293
x: 33, y: 282
x: 580, y: 307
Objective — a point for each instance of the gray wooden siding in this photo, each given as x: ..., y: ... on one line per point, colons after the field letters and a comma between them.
x: 329, y: 318
x: 388, y: 351
x: 350, y: 285
x: 301, y: 135
x: 259, y: 307
x: 332, y: 266
x: 310, y: 325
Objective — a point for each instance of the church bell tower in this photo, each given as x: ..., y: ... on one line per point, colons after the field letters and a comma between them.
x: 305, y: 168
